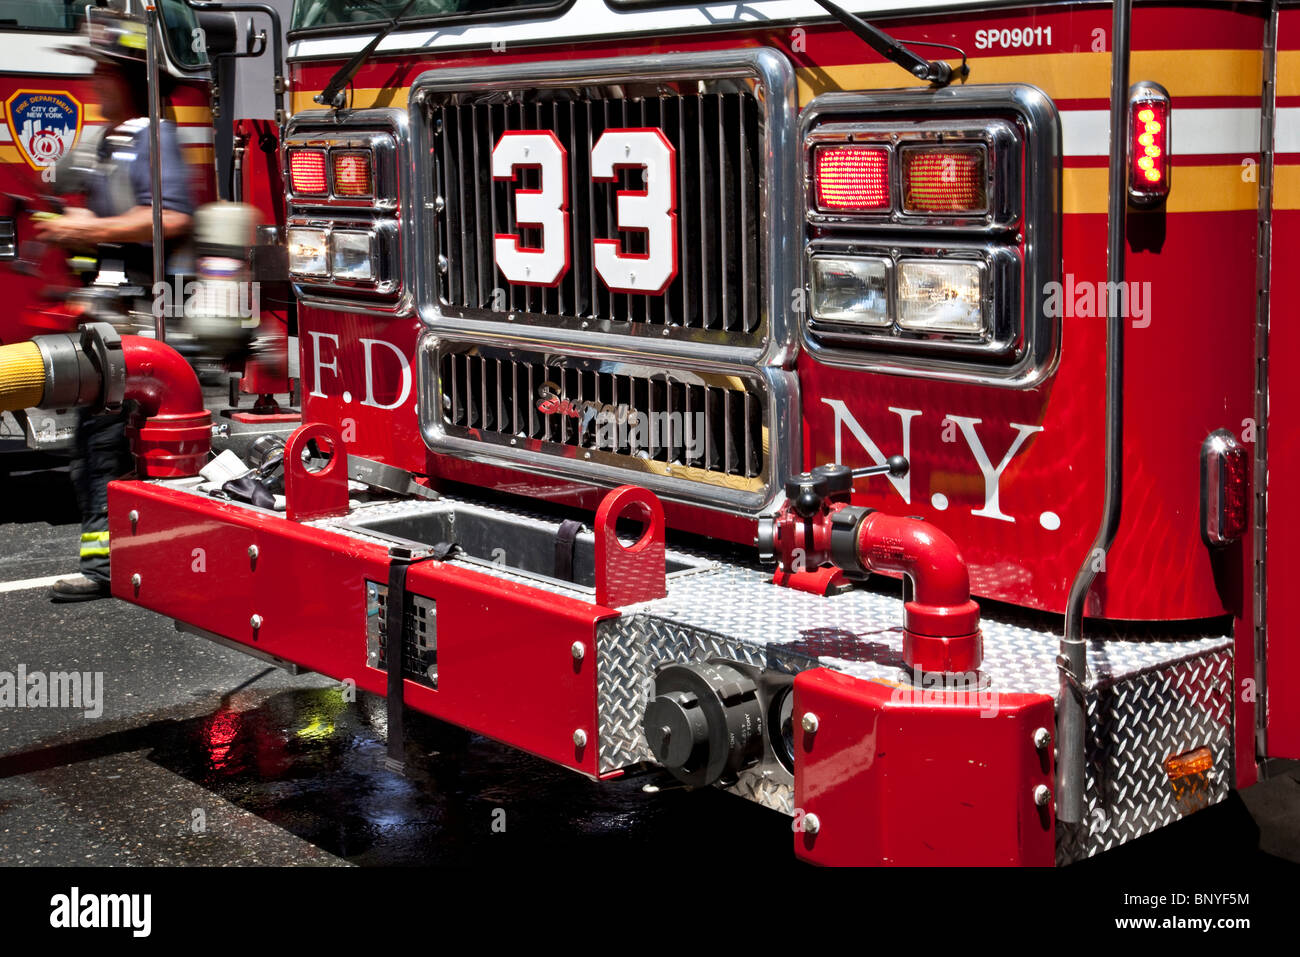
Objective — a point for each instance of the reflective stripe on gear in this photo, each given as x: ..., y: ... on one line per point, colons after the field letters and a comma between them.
x: 94, y: 544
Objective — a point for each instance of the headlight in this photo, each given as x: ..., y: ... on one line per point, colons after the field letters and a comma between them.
x: 940, y: 296
x: 307, y: 252
x: 850, y: 290
x: 351, y: 255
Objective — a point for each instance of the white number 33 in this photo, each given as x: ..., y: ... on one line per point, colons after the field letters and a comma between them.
x: 651, y: 211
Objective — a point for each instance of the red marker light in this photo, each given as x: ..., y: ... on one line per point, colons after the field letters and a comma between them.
x: 945, y: 180
x: 1148, y: 122
x: 307, y: 172
x: 352, y: 174
x: 852, y: 179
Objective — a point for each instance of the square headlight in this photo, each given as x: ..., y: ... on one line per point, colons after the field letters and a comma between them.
x: 307, y: 252
x: 352, y: 255
x: 851, y: 290
x: 941, y: 296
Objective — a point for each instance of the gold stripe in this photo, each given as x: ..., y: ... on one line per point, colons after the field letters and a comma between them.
x: 1195, y: 189
x: 358, y: 99
x: 197, y: 155
x: 93, y: 552
x: 189, y: 114
x: 1288, y: 72
x: 94, y: 114
x: 1061, y: 75
x: 1074, y: 76
x: 1286, y: 187
x: 10, y: 154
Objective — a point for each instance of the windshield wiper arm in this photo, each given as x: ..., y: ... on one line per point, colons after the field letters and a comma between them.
x: 332, y: 95
x: 932, y: 71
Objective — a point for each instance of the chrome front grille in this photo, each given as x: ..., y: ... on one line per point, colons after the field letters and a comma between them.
x: 681, y: 423
x: 719, y: 133
x: 712, y: 355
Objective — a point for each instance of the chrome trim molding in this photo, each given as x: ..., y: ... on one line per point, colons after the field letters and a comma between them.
x: 956, y: 109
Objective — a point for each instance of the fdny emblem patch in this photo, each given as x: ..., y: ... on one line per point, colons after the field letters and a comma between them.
x: 45, y: 125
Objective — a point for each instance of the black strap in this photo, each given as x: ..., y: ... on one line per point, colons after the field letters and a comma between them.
x: 395, y: 658
x: 566, y: 537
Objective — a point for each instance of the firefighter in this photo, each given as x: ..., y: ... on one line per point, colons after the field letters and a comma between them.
x: 118, y: 222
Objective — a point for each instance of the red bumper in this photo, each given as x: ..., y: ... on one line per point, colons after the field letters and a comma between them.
x: 506, y: 666
x: 910, y: 776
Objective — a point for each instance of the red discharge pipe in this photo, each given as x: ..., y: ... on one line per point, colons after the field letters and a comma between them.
x: 171, y: 432
x: 941, y: 630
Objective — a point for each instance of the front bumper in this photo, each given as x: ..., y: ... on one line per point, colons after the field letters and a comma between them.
x: 893, y: 773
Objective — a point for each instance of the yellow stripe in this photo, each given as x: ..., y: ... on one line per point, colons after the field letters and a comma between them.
x: 94, y: 114
x: 93, y: 552
x: 94, y: 536
x: 10, y: 154
x: 197, y: 155
x: 360, y: 98
x: 1074, y: 76
x: 1061, y: 75
x: 189, y: 114
x: 1288, y: 72
x: 1195, y: 189
x: 1286, y: 187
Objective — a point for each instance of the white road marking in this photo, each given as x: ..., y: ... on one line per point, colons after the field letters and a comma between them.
x: 33, y: 583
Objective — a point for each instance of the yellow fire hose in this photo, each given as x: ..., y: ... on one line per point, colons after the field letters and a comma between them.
x: 22, y: 376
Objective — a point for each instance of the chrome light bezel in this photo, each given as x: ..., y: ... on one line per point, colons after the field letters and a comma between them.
x: 1024, y: 218
x: 997, y: 138
x: 1000, y: 295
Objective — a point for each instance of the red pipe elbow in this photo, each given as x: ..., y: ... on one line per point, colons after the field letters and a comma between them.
x: 941, y: 623
x: 171, y: 433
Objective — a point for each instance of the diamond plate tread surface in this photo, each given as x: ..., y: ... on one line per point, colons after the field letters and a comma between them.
x: 1136, y: 724
x: 860, y: 632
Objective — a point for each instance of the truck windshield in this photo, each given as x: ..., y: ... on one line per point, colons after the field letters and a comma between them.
x: 49, y: 16
x: 319, y: 13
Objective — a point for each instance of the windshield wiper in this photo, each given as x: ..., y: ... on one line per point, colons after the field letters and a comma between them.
x: 932, y: 71
x: 332, y: 95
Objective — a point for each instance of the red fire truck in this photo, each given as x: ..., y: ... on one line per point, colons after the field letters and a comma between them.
x: 866, y: 410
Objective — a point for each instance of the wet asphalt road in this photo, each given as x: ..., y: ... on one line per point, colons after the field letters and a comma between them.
x: 203, y: 756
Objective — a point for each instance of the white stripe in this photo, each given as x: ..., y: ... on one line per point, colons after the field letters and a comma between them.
x: 1286, y: 134
x: 586, y: 19
x: 23, y: 52
x: 5, y: 135
x: 31, y: 583
x: 186, y: 135
x: 1233, y: 132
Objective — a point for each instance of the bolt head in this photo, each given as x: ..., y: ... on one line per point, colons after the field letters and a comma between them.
x: 256, y: 621
x: 1042, y: 739
x: 135, y: 580
x: 809, y: 722
x: 134, y: 516
x: 1042, y: 794
x: 252, y: 552
x: 578, y: 650
x: 579, y: 738
x: 811, y: 823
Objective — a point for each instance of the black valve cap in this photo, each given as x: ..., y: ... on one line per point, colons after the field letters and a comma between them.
x: 806, y: 492
x: 838, y: 478
x: 898, y: 465
x: 675, y: 727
